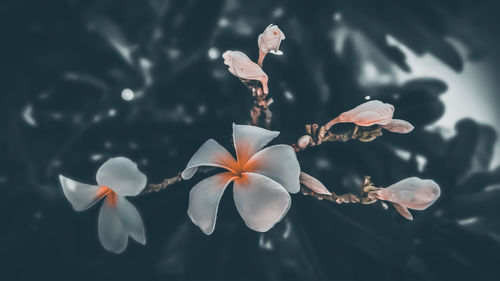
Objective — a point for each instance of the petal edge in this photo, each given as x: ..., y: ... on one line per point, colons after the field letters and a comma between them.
x: 279, y: 163
x: 248, y: 140
x: 81, y: 196
x: 261, y: 202
x: 210, y: 153
x: 204, y: 200
x: 122, y: 176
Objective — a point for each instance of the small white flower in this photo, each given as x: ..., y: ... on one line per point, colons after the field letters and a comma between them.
x: 410, y: 193
x: 118, y: 218
x: 262, y: 179
x: 243, y: 67
x: 269, y: 41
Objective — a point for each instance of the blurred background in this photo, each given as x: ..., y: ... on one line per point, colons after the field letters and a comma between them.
x: 83, y: 81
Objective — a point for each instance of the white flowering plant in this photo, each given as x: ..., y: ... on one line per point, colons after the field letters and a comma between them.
x: 262, y: 177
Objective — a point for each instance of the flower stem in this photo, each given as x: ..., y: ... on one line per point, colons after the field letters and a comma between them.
x: 331, y: 123
x: 316, y: 135
x: 262, y: 55
x: 160, y: 186
x: 261, y: 104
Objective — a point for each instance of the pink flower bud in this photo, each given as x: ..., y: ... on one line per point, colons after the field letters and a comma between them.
x: 304, y: 141
x: 241, y: 66
x: 410, y: 193
x: 313, y: 184
x: 366, y: 114
x: 399, y: 126
x: 269, y: 41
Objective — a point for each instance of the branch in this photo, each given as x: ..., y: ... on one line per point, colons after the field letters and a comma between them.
x: 316, y: 135
x: 164, y: 184
x: 261, y: 104
x: 365, y: 196
x: 152, y: 187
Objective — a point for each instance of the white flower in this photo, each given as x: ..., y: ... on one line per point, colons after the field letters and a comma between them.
x: 118, y: 218
x: 243, y: 67
x: 262, y: 179
x: 269, y: 41
x: 410, y: 193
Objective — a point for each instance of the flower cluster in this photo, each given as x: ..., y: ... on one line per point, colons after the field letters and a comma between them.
x: 262, y: 180
x: 262, y: 177
x: 241, y: 66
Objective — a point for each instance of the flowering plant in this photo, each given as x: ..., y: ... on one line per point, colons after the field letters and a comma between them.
x: 262, y: 178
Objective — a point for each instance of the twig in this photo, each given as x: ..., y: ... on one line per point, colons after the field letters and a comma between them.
x: 365, y: 196
x: 160, y: 186
x: 316, y: 135
x: 261, y: 104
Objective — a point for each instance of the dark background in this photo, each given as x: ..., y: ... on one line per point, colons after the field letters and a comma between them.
x: 65, y: 64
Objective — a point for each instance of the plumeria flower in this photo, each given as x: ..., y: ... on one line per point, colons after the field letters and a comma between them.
x: 243, y: 67
x: 269, y: 41
x: 262, y: 179
x: 367, y: 114
x: 118, y: 218
x: 410, y: 193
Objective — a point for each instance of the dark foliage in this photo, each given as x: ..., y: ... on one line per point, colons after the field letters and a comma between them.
x: 66, y: 63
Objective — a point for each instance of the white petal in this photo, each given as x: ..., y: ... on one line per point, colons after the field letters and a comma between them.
x: 131, y: 220
x: 81, y: 196
x: 250, y: 139
x: 260, y: 201
x: 314, y: 184
x: 399, y: 126
x: 369, y: 113
x: 111, y: 232
x: 375, y: 106
x: 278, y: 52
x: 204, y: 200
x: 279, y: 163
x: 369, y: 118
x: 402, y: 210
x: 242, y: 66
x: 122, y: 176
x: 209, y: 154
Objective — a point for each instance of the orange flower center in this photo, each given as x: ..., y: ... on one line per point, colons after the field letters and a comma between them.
x: 110, y: 195
x: 238, y: 171
x: 238, y: 168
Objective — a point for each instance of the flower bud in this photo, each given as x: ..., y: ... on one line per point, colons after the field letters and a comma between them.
x: 399, y: 126
x: 304, y: 141
x: 241, y: 66
x: 313, y: 184
x: 413, y: 193
x: 367, y: 114
x: 269, y: 41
